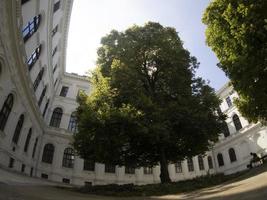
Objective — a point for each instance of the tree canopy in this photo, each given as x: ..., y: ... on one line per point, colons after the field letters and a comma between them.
x: 237, y: 33
x: 147, y: 106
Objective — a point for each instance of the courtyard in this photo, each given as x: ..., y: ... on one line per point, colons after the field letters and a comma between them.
x: 252, y: 185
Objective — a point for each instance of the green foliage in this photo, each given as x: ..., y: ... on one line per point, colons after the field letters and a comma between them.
x: 237, y: 33
x: 147, y: 106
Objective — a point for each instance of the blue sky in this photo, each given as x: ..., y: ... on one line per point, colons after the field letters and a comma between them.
x: 93, y: 19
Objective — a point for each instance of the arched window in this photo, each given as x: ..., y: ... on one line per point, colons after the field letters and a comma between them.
x: 34, y: 57
x: 16, y: 135
x: 73, y: 123
x: 200, y: 163
x: 31, y: 27
x: 237, y: 122
x: 42, y: 96
x: 210, y: 163
x: 48, y: 153
x: 68, y: 158
x: 232, y: 155
x: 45, y: 108
x: 38, y: 79
x: 190, y: 164
x: 225, y: 129
x: 5, y: 111
x: 56, y: 117
x: 28, y: 139
x: 220, y: 160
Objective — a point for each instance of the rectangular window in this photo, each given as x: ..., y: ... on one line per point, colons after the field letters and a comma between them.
x: 34, y: 147
x: 24, y: 1
x: 66, y: 180
x: 56, y: 6
x: 148, y: 170
x: 44, y: 176
x: 64, y: 91
x: 178, y: 167
x: 201, y: 163
x: 88, y: 165
x: 11, y: 163
x: 229, y: 101
x: 54, y: 51
x: 110, y: 168
x: 87, y: 184
x: 54, y: 31
x: 31, y: 172
x: 129, y: 170
x: 55, y: 68
x: 23, y: 168
x: 190, y: 165
x: 55, y: 83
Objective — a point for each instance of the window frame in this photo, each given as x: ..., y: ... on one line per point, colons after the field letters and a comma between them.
x: 68, y: 158
x: 41, y: 98
x: 31, y: 27
x: 190, y: 165
x: 232, y: 155
x: 129, y: 170
x: 178, y: 167
x: 73, y: 126
x: 148, y: 170
x: 229, y: 101
x: 27, y: 141
x: 64, y: 91
x: 54, y: 31
x: 56, y: 117
x: 38, y: 79
x: 201, y: 165
x: 220, y: 159
x: 88, y: 165
x: 110, y: 169
x: 237, y: 122
x: 6, y: 110
x: 210, y: 162
x: 48, y: 153
x: 34, y: 57
x: 18, y: 129
x: 56, y: 6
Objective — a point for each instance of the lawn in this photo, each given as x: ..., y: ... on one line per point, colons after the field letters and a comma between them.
x: 158, y: 189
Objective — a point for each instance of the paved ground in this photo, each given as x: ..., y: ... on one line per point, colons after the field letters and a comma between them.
x: 252, y: 186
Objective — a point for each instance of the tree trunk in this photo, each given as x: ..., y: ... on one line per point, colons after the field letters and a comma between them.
x: 164, y: 173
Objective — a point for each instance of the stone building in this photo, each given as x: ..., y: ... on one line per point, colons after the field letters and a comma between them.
x: 38, y: 102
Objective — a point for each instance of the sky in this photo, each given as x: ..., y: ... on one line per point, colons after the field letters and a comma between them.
x: 93, y: 19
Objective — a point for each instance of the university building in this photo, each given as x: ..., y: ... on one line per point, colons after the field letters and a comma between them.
x: 38, y: 103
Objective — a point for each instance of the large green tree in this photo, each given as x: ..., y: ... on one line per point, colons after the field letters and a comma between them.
x: 147, y: 106
x: 237, y: 33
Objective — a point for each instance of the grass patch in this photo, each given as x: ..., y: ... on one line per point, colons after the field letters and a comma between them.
x: 158, y: 189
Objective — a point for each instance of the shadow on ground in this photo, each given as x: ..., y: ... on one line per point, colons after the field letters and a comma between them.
x: 250, y: 186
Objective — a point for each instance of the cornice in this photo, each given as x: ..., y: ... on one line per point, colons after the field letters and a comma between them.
x: 244, y: 132
x: 17, y: 60
x: 77, y: 77
x: 66, y: 16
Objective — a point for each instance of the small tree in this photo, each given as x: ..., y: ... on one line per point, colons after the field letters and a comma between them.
x: 147, y: 107
x: 237, y: 33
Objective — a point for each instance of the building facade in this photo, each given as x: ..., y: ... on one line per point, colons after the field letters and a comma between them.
x: 38, y: 103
